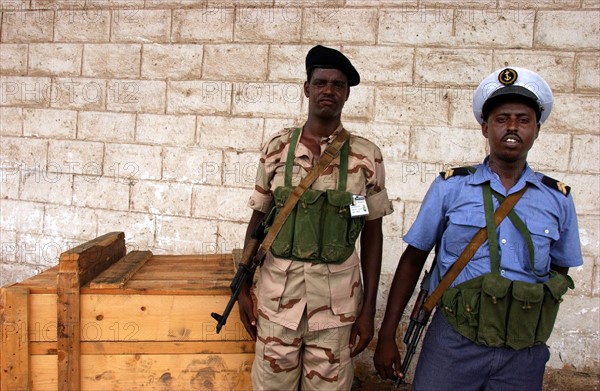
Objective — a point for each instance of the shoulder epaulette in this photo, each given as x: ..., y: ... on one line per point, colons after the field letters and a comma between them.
x: 556, y: 185
x: 457, y: 171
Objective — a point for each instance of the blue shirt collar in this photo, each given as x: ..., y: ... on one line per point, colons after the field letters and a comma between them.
x: 484, y: 174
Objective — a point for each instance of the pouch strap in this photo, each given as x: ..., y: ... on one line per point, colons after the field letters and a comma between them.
x: 470, y: 250
x: 330, y: 153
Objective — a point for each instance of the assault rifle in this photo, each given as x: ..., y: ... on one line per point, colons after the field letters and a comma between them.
x: 418, y: 320
x: 248, y: 264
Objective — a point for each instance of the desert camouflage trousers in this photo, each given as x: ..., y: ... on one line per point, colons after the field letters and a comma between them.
x: 317, y: 360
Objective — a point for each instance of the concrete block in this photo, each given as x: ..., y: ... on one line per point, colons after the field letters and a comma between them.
x: 274, y: 125
x: 583, y: 188
x: 70, y: 222
x: 286, y: 63
x: 555, y: 67
x: 584, y: 158
x: 75, y: 157
x: 567, y: 114
x: 49, y: 123
x: 340, y: 25
x: 267, y: 99
x: 231, y: 235
x: 239, y: 169
x: 141, y: 96
x: 184, y: 235
x: 139, y: 228
x: 25, y: 91
x: 446, y: 145
x: 392, y: 140
x: 78, y: 93
x: 13, y: 59
x: 235, y: 62
x: 589, y: 234
x: 452, y: 67
x: 203, y: 25
x: 587, y: 76
x: 241, y: 134
x: 267, y: 24
x: 8, y: 249
x: 382, y: 64
x: 543, y: 4
x: 409, y: 180
x: 412, y: 105
x: 219, y: 203
x: 11, y: 121
x: 360, y: 106
x: 55, y: 59
x: 166, y: 129
x: 172, y: 61
x: 89, y: 25
x: 100, y: 192
x: 58, y: 5
x: 105, y: 126
x: 508, y: 28
x: 23, y: 153
x: 193, y: 165
x: 567, y: 29
x: 412, y: 26
x: 550, y: 151
x: 199, y: 97
x: 112, y: 60
x: 46, y: 186
x: 165, y: 198
x: 139, y: 25
x: 10, y: 179
x: 27, y: 26
x: 130, y: 163
x: 21, y: 216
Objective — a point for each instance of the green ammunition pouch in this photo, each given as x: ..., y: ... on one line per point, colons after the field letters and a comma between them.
x: 497, y: 312
x: 320, y: 228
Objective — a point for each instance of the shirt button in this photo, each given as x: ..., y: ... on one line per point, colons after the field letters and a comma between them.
x: 547, y: 231
x: 503, y: 241
x: 503, y: 272
x: 252, y: 202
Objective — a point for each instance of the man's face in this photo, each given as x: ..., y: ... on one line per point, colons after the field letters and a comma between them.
x: 327, y: 92
x: 511, y: 128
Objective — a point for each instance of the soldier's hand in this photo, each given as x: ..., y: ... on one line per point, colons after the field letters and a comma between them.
x: 247, y: 317
x: 363, y: 328
x: 387, y: 359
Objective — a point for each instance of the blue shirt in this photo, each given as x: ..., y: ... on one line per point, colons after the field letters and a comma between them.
x: 452, y: 212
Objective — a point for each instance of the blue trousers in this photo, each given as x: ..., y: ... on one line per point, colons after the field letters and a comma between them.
x: 449, y: 361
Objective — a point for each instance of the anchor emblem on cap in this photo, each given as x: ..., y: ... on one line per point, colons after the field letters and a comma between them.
x: 507, y: 76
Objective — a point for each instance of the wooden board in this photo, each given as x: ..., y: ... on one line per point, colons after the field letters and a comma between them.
x: 14, y: 361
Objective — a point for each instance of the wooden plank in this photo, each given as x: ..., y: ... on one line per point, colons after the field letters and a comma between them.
x: 14, y: 361
x: 160, y: 372
x: 119, y: 273
x: 68, y: 330
x: 151, y: 347
x: 93, y: 257
x: 128, y: 317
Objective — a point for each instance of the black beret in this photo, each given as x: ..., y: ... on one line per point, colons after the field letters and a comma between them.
x: 324, y: 57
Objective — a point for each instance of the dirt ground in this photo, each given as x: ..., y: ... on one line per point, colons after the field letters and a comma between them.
x: 554, y: 380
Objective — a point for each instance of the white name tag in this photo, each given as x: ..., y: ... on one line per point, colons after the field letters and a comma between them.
x: 359, y: 206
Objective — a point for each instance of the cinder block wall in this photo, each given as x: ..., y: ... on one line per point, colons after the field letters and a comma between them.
x: 147, y: 117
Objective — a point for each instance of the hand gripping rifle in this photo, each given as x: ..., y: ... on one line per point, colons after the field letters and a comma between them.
x: 251, y: 259
x: 418, y: 320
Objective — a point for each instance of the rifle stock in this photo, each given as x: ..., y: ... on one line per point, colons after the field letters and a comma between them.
x: 418, y: 320
x: 251, y: 259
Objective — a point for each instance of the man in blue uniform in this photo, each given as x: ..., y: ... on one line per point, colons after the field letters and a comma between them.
x: 491, y: 325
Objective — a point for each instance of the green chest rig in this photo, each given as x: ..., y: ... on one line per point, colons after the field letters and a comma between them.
x: 320, y: 228
x: 494, y: 311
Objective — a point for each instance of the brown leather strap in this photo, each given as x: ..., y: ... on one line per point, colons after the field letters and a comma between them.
x: 464, y: 258
x: 330, y: 153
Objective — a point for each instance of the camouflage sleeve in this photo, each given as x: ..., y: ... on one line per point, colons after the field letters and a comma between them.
x: 378, y: 201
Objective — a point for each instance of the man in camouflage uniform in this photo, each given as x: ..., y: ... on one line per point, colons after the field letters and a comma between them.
x: 311, y: 316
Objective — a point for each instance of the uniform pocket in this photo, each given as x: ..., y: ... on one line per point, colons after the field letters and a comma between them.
x: 345, y: 287
x: 494, y: 307
x: 273, y: 277
x: 307, y: 227
x: 524, y: 314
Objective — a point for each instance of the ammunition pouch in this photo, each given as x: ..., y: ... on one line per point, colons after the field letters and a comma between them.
x: 319, y: 229
x: 496, y: 312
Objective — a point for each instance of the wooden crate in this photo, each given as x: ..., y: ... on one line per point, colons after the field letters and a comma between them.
x: 106, y: 320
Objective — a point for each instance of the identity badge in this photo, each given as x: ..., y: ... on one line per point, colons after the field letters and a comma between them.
x: 359, y: 206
